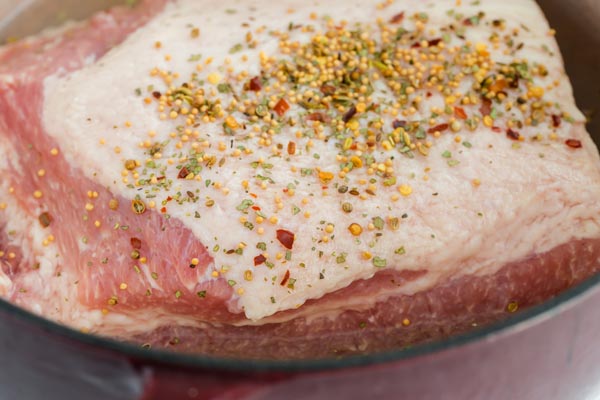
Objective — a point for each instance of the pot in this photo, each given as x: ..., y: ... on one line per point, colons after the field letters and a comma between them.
x: 546, y: 352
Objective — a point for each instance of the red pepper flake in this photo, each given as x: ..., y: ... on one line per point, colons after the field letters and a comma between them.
x: 259, y: 259
x: 574, y: 143
x: 399, y: 124
x: 434, y: 42
x: 156, y: 95
x: 460, y: 113
x: 183, y: 173
x: 514, y: 135
x: 438, y: 128
x: 556, y: 121
x: 316, y: 116
x: 256, y: 208
x: 281, y: 107
x: 255, y: 84
x: 286, y: 238
x: 163, y: 210
x: 328, y: 90
x: 291, y: 148
x: 496, y: 129
x: 468, y: 22
x: 135, y: 243
x: 398, y: 18
x: 349, y: 114
x: 45, y: 219
x: 486, y: 107
x: 286, y: 277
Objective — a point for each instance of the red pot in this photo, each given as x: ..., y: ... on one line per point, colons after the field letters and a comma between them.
x: 547, y: 352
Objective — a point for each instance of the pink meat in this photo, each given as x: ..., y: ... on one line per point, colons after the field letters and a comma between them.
x: 107, y: 262
x: 455, y: 307
x: 105, y: 266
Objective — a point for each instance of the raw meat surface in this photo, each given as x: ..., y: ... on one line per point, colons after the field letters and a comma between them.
x: 400, y: 215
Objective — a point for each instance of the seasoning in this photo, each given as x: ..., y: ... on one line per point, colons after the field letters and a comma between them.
x: 347, y: 207
x: 183, y: 173
x: 286, y: 238
x: 325, y: 176
x: 281, y: 107
x: 355, y: 229
x: 349, y: 114
x: 405, y: 190
x: 512, y: 134
x: 255, y: 84
x: 398, y: 18
x: 439, y: 128
x: 285, y: 279
x: 113, y: 204
x: 259, y: 259
x: 379, y: 262
x: 130, y: 165
x: 291, y: 148
x: 460, y: 113
x: 138, y: 206
x: 512, y: 307
x: 45, y: 219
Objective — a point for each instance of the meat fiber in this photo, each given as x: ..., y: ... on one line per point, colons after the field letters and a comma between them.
x: 173, y: 176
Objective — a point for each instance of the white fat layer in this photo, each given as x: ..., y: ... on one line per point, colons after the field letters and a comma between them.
x: 525, y: 204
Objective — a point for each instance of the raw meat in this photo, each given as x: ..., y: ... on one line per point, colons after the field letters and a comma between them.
x: 294, y: 179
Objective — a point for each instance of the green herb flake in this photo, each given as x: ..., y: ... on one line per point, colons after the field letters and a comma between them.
x: 244, y: 205
x: 237, y: 48
x: 379, y: 262
x: 400, y: 251
x: 378, y: 222
x: 224, y: 87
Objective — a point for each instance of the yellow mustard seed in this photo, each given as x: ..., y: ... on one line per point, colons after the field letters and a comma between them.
x: 405, y: 190
x: 355, y: 229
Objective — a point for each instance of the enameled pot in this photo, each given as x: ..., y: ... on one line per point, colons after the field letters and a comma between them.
x: 548, y: 352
